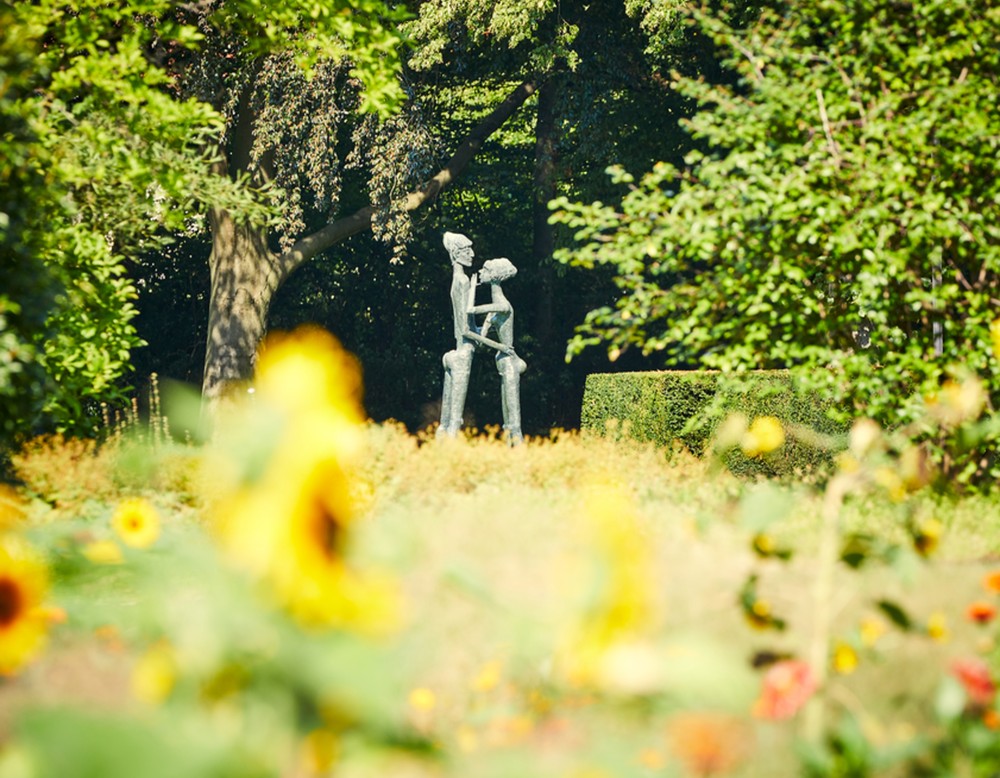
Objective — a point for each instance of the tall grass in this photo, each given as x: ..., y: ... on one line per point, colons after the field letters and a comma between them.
x: 496, y: 561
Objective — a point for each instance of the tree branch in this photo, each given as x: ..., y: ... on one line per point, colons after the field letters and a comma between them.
x: 341, y: 229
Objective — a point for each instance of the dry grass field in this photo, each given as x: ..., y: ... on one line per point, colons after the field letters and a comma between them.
x: 576, y: 606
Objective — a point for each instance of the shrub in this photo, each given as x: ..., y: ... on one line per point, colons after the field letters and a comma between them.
x: 690, y: 405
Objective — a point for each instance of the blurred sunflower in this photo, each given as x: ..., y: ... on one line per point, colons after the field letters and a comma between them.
x: 765, y: 434
x: 23, y: 617
x: 307, y: 371
x: 103, y: 552
x: 137, y: 523
x: 11, y: 507
x: 155, y: 674
x: 621, y: 612
x: 927, y: 536
x: 937, y: 627
x: 289, y: 523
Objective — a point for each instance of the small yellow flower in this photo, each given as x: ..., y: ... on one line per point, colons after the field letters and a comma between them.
x: 845, y: 658
x: 488, y: 677
x: 847, y: 463
x: 422, y: 699
x: 137, y: 523
x: 764, y: 435
x: 320, y: 749
x: 871, y: 630
x: 937, y: 627
x: 890, y: 480
x: 652, y: 759
x: 23, y: 617
x: 759, y: 615
x: 155, y: 674
x: 103, y: 552
x: 927, y: 536
x: 466, y: 739
x: 865, y: 434
x: 763, y: 544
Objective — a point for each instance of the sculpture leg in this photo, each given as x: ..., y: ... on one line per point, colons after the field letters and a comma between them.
x: 458, y: 365
x: 510, y: 368
x: 447, y: 360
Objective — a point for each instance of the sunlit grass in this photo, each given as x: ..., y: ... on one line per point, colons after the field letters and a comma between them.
x: 490, y: 552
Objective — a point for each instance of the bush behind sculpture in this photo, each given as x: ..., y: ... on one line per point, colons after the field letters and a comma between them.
x: 689, y: 406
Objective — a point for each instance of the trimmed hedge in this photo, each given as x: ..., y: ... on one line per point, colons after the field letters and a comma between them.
x: 689, y: 405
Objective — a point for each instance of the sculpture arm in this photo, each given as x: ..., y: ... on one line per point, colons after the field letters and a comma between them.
x: 490, y: 308
x: 491, y: 343
x: 484, y: 328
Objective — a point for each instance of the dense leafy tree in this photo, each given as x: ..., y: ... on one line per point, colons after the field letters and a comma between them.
x: 842, y: 212
x: 106, y: 157
x: 99, y: 163
x: 26, y: 287
x: 303, y: 131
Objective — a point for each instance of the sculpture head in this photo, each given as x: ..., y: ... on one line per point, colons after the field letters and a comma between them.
x: 459, y: 248
x: 496, y: 271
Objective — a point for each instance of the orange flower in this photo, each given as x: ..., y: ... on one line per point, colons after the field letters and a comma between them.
x: 708, y: 743
x: 974, y: 675
x: 981, y: 612
x: 787, y: 686
x: 991, y: 582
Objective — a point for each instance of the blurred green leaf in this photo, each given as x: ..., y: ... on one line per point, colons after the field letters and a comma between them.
x: 895, y: 614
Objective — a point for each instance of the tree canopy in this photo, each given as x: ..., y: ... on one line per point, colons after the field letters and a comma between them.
x: 105, y: 160
x: 830, y: 199
x: 100, y: 162
x: 839, y: 207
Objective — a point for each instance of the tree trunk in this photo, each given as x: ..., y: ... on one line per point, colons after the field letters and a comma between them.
x: 545, y: 190
x: 246, y: 274
x: 244, y: 279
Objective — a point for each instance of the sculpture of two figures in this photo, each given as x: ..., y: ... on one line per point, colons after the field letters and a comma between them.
x: 499, y: 319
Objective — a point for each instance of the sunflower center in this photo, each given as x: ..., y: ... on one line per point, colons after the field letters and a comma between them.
x: 10, y: 601
x: 328, y: 531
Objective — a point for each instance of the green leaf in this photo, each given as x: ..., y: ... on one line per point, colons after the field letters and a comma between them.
x: 895, y: 614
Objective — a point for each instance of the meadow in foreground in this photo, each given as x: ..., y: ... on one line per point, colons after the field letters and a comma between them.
x: 314, y: 595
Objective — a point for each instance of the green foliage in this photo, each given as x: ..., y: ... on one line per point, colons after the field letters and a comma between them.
x: 360, y: 31
x: 26, y: 286
x: 846, y: 190
x: 690, y: 406
x: 446, y: 29
x: 103, y: 158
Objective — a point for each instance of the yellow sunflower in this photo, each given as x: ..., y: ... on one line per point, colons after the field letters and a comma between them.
x: 621, y: 611
x: 765, y: 434
x: 292, y: 527
x: 23, y: 617
x: 306, y: 371
x: 137, y: 523
x: 289, y: 521
x: 11, y: 507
